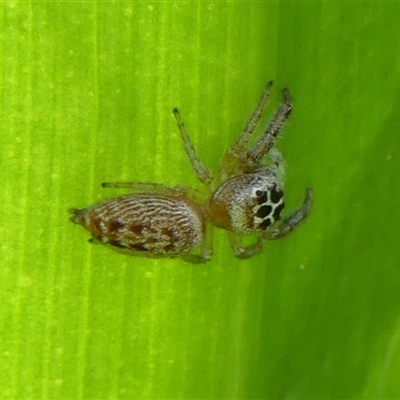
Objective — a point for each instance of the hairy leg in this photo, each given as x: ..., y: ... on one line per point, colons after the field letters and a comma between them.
x: 202, y: 172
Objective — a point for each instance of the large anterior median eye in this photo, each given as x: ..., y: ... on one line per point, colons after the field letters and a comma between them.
x: 269, y: 207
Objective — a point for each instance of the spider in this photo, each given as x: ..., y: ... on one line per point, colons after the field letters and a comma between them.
x: 246, y: 197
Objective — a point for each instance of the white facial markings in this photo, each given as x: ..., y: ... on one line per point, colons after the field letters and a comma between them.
x: 269, y: 206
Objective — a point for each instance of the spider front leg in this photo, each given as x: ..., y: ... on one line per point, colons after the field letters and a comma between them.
x: 292, y: 221
x: 268, y: 138
x: 202, y: 172
x: 234, y: 156
x: 237, y: 149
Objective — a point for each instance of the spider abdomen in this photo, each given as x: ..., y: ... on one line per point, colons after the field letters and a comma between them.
x: 147, y: 224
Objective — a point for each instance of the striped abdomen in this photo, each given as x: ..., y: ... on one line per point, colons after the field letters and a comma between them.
x: 148, y: 224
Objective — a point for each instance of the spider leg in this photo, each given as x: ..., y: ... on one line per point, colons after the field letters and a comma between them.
x: 202, y: 172
x: 241, y: 251
x: 206, y: 249
x: 277, y: 165
x: 159, y: 188
x: 293, y: 220
x: 146, y: 187
x: 268, y: 138
x: 234, y: 155
x: 252, y: 123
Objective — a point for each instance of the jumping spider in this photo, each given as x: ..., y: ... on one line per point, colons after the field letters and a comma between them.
x: 246, y: 197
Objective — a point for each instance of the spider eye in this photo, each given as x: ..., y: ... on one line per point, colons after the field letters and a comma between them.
x: 262, y: 196
x: 276, y: 195
x: 278, y: 210
x: 264, y: 211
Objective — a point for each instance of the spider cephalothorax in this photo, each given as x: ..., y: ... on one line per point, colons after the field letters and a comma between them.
x: 247, y: 203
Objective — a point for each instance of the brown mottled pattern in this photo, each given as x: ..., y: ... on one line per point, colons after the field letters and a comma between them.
x: 153, y: 224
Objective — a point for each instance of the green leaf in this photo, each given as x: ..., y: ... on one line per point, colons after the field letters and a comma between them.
x: 87, y: 92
